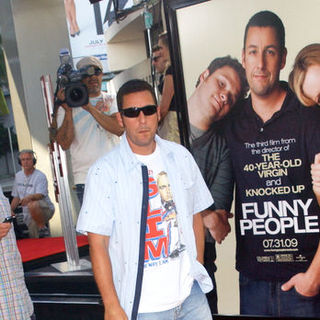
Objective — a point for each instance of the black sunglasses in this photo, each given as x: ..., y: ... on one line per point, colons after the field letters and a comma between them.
x: 90, y: 71
x: 134, y: 112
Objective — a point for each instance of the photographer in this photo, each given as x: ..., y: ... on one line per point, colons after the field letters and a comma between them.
x: 90, y: 130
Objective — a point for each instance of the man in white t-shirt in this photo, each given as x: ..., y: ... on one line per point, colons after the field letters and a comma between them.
x: 91, y: 130
x: 142, y: 212
x: 30, y: 192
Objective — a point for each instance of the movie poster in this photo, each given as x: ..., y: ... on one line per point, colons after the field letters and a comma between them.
x: 276, y: 209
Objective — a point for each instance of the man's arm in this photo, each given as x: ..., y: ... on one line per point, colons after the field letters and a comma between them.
x: 108, y: 123
x: 31, y: 197
x: 167, y: 95
x: 307, y: 283
x: 14, y: 203
x: 65, y: 134
x: 198, y: 229
x: 102, y: 270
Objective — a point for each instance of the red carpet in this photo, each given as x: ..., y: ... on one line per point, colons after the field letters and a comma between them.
x: 33, y: 249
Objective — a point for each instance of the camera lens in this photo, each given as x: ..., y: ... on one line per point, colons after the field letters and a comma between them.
x: 76, y: 95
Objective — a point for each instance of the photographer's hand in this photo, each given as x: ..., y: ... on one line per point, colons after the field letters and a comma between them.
x: 65, y: 133
x: 61, y: 97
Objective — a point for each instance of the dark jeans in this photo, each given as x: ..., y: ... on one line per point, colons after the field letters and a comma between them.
x: 209, y: 258
x: 80, y: 192
x: 267, y: 298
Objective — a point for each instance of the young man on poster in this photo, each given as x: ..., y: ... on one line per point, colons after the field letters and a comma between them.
x: 273, y: 141
x: 218, y: 88
x: 142, y: 213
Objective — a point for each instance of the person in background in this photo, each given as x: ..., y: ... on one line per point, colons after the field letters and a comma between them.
x: 159, y: 64
x: 304, y: 79
x: 168, y: 126
x: 91, y: 130
x: 30, y: 192
x: 15, y: 302
x: 142, y: 212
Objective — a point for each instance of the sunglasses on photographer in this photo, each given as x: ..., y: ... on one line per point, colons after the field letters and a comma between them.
x: 90, y: 71
x: 134, y: 112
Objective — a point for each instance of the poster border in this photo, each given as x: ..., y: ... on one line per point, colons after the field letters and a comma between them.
x: 170, y: 10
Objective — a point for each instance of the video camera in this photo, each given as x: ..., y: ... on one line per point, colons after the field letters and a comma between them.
x: 76, y: 93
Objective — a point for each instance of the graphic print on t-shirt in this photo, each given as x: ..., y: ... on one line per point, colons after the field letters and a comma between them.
x: 102, y: 103
x: 162, y: 234
x: 167, y: 279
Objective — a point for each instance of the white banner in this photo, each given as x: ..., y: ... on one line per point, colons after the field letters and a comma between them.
x: 87, y: 23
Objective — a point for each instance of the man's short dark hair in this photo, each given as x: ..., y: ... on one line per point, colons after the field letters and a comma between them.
x: 221, y: 62
x: 155, y: 48
x: 267, y: 19
x: 164, y: 38
x: 132, y: 86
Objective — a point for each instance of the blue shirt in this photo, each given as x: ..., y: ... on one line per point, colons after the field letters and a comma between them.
x: 112, y: 207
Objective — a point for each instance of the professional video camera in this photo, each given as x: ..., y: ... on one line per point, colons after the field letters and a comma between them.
x: 76, y: 93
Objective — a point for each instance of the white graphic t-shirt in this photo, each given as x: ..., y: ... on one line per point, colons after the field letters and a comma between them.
x: 166, y: 279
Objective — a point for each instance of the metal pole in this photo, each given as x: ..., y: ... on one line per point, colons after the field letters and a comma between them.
x: 11, y: 149
x: 59, y: 167
x: 148, y: 21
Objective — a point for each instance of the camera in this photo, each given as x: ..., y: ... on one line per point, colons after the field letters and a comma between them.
x: 18, y: 211
x: 76, y: 93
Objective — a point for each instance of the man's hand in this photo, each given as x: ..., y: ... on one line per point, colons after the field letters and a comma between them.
x: 315, y: 174
x: 61, y: 97
x: 115, y: 313
x: 217, y: 223
x: 24, y: 201
x: 4, y: 229
x: 303, y: 284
